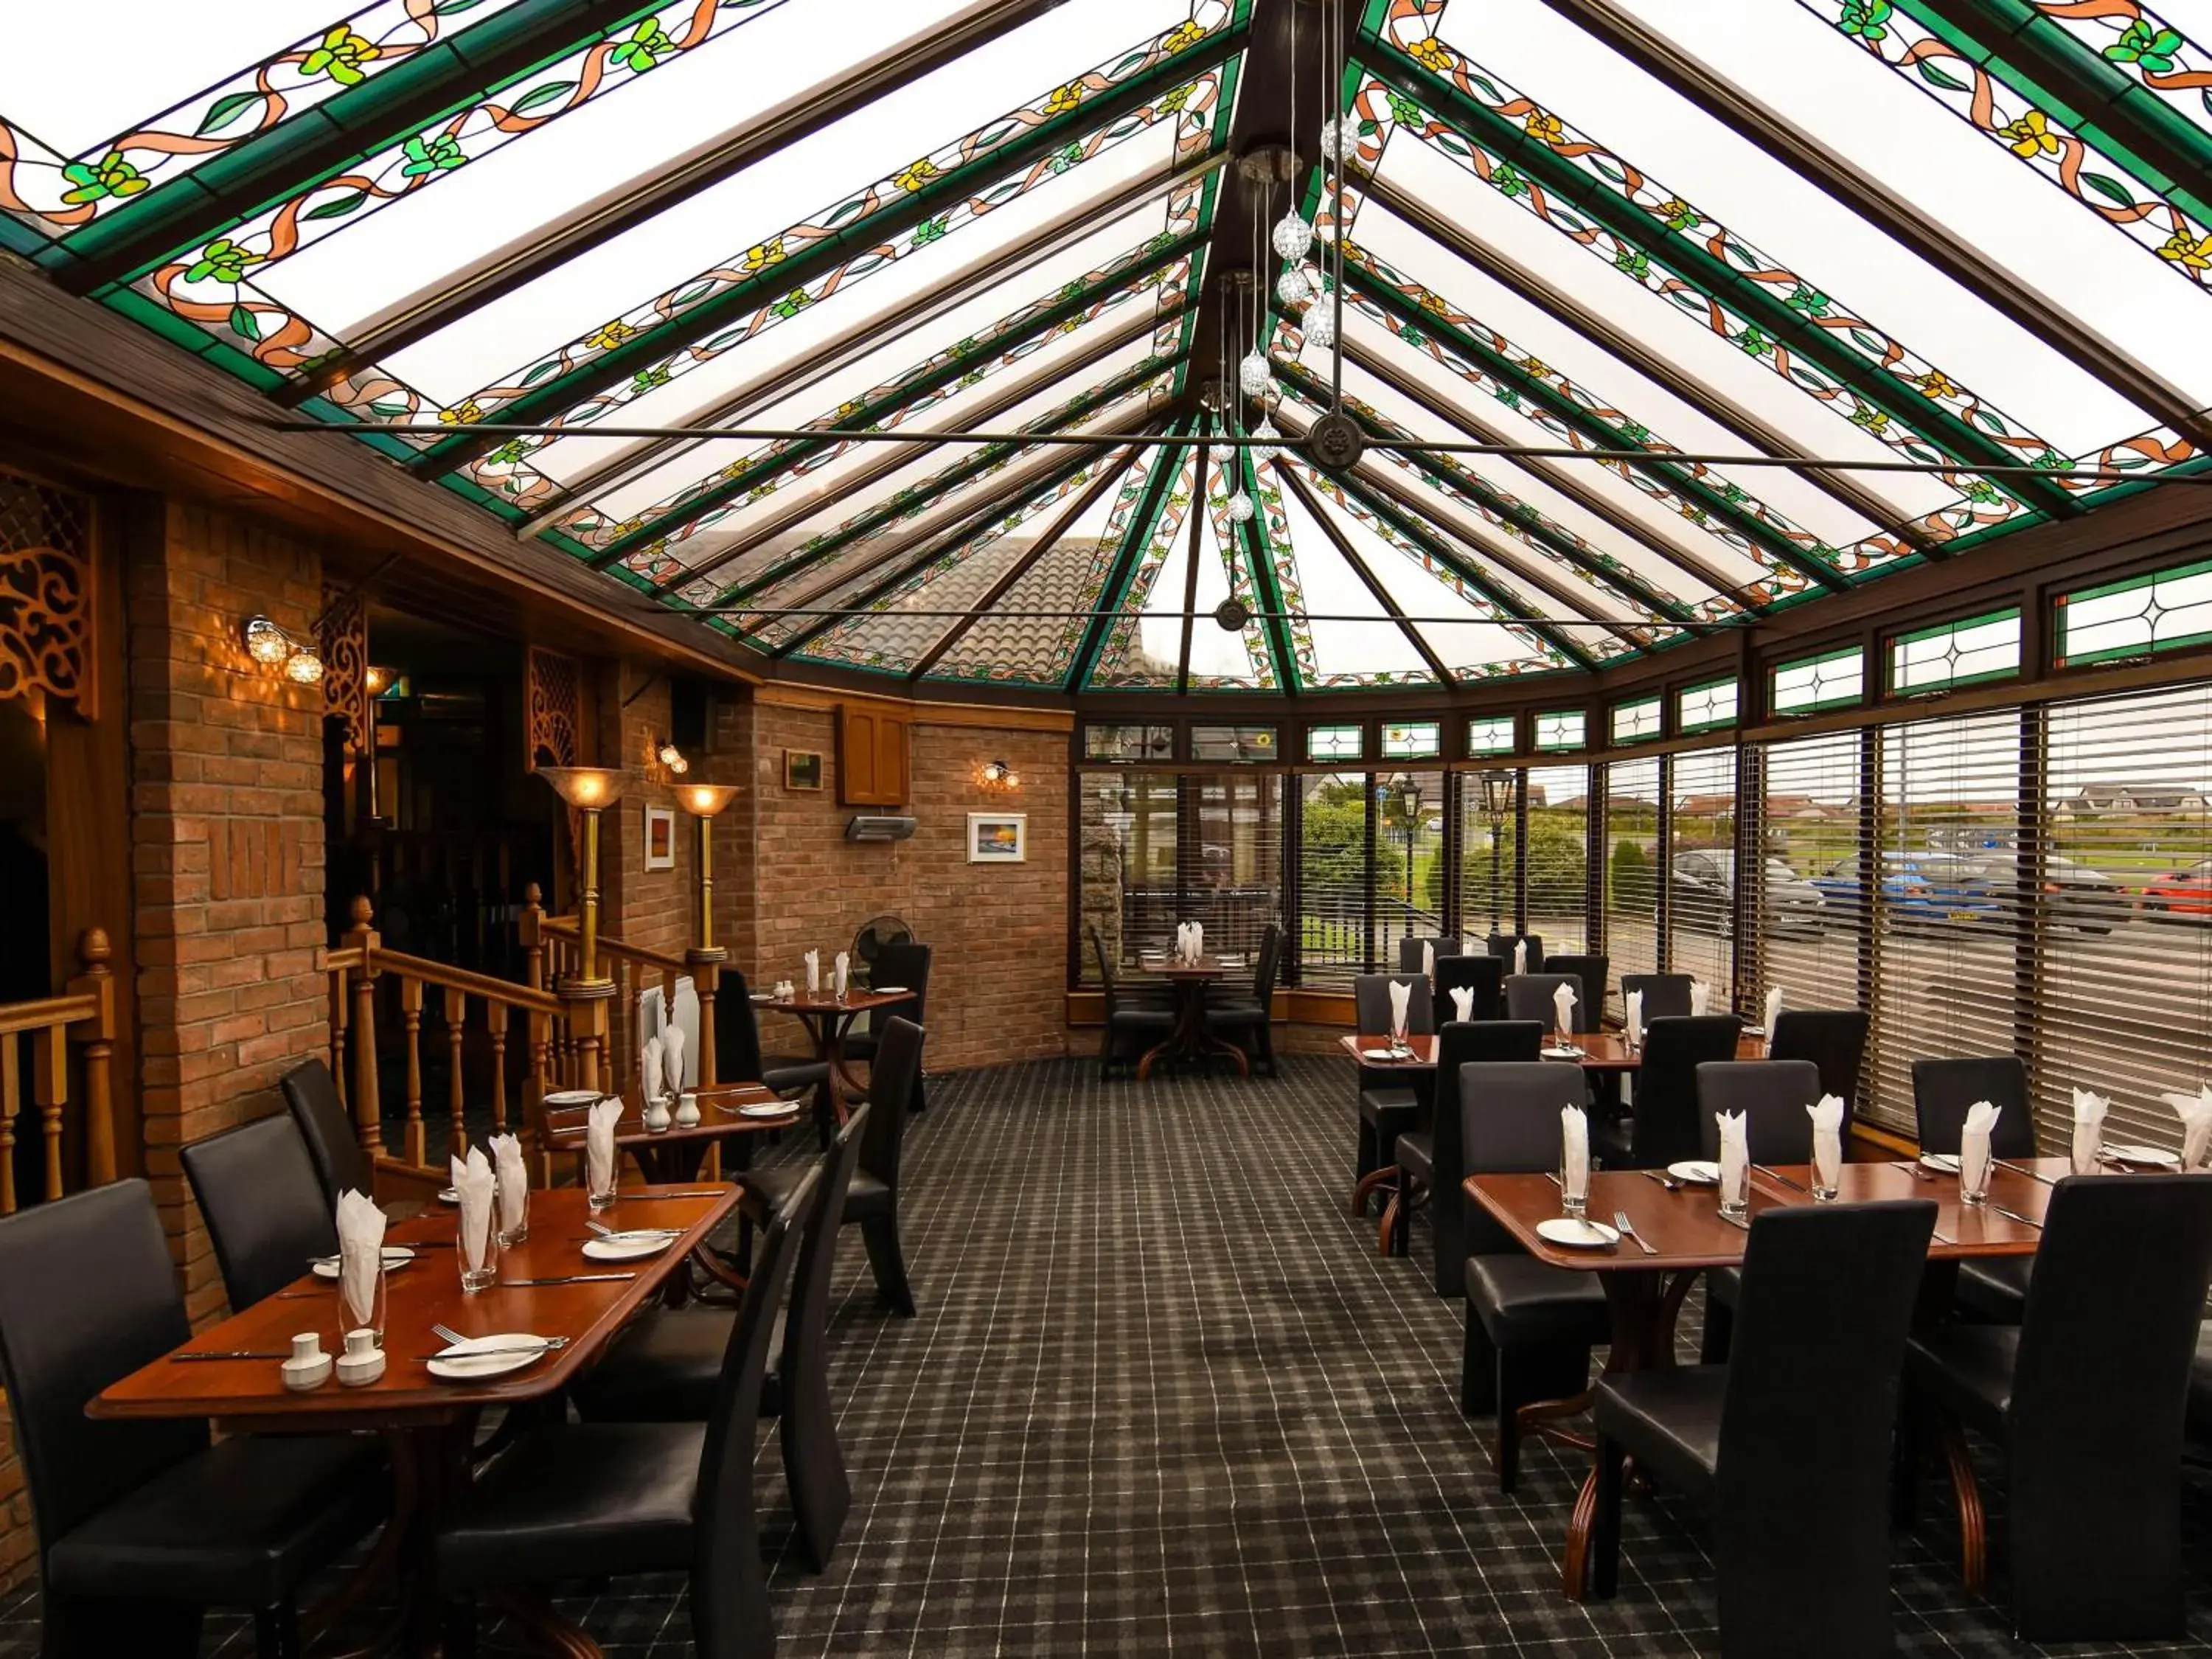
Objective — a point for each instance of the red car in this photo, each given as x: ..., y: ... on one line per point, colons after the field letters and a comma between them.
x: 2184, y: 893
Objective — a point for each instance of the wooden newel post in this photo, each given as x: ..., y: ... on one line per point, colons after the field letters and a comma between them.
x: 98, y: 981
x: 530, y: 934
x: 368, y: 1109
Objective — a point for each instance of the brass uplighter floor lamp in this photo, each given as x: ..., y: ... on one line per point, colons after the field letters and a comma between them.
x: 705, y: 802
x: 589, y: 790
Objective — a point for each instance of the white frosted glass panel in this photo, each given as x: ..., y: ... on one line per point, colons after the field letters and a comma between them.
x: 1332, y: 589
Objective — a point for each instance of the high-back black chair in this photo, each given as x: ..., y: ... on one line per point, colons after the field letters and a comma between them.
x: 902, y: 963
x: 1666, y: 996
x: 1530, y: 1327
x: 1530, y: 996
x: 737, y: 1045
x: 1484, y: 975
x: 1834, y: 1039
x: 1409, y: 950
x: 1389, y: 1103
x: 1590, y: 974
x: 1131, y: 1022
x: 1943, y: 1091
x: 141, y: 1524
x: 1370, y: 994
x: 341, y: 1163
x: 1664, y: 1128
x: 584, y: 1500
x: 1772, y: 1095
x: 1435, y: 1158
x: 1253, y: 1017
x: 1501, y: 946
x: 667, y: 1366
x: 2087, y: 1396
x: 1828, y: 1294
x: 257, y: 1191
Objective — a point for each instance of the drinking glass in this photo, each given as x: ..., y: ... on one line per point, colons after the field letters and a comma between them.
x: 1572, y: 1202
x: 477, y: 1278
x: 512, y: 1229
x: 1974, y: 1178
x: 1735, y: 1194
x: 356, y: 1317
x: 596, y: 1201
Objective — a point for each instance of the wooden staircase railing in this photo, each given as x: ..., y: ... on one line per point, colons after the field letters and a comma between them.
x: 83, y: 1014
x: 550, y: 949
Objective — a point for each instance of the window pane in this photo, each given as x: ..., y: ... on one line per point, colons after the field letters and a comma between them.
x: 1631, y: 872
x: 2169, y: 611
x: 1702, y: 870
x: 1128, y: 866
x: 1332, y: 922
x: 1559, y: 855
x: 1409, y: 865
x: 1420, y: 740
x: 1235, y: 888
x: 1233, y: 743
x: 1565, y: 729
x: 1632, y: 722
x: 1826, y: 681
x: 1956, y: 653
x: 1812, y: 910
x: 1488, y: 811
x: 1703, y: 708
x: 1490, y: 734
x: 1329, y: 743
x: 1128, y: 743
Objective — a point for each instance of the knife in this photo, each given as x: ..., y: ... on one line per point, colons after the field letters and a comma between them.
x: 636, y: 1198
x: 2032, y: 1174
x: 565, y: 1278
x: 2014, y: 1215
x: 1777, y: 1175
x: 227, y: 1353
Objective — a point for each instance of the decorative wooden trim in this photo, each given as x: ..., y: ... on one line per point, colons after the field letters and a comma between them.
x: 554, y: 700
x: 342, y: 642
x: 46, y: 594
x: 792, y: 694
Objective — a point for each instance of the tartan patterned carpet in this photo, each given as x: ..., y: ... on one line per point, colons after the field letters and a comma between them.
x: 1163, y: 1397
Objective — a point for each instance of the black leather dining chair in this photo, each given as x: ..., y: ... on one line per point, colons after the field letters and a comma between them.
x: 737, y: 1045
x: 1590, y: 974
x: 1663, y: 1127
x: 341, y: 1163
x: 1485, y: 976
x: 258, y: 1193
x: 588, y: 1500
x: 1501, y: 946
x: 1252, y: 1017
x: 1785, y: 1443
x: 1409, y: 950
x: 903, y: 963
x: 1666, y: 996
x: 1834, y: 1039
x: 1530, y: 1327
x: 1131, y: 1022
x: 1995, y: 1289
x: 142, y: 1524
x: 1530, y: 996
x: 1435, y: 1158
x: 1772, y: 1095
x: 2087, y: 1396
x: 667, y: 1367
x: 873, y: 1201
x: 1387, y: 1106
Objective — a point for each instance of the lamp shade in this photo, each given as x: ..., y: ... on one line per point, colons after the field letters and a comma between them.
x: 586, y: 786
x: 704, y: 800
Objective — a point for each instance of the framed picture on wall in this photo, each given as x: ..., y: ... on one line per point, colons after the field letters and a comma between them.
x: 998, y: 837
x: 802, y: 768
x: 660, y: 837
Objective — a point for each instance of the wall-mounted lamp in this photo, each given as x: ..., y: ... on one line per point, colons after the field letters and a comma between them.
x: 270, y: 646
x: 672, y: 757
x: 997, y: 775
x: 591, y: 790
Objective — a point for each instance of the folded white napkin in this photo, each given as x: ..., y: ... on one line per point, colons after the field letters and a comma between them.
x: 1463, y: 998
x: 1773, y: 1013
x: 1701, y: 998
x: 360, y: 1255
x: 813, y: 961
x: 1735, y: 1156
x: 648, y: 1068
x: 600, y: 1146
x: 1428, y: 960
x: 1974, y: 1145
x: 474, y: 1182
x: 671, y: 1058
x: 514, y: 1182
x: 2196, y: 1112
x: 844, y: 969
x: 1635, y: 1000
x: 1827, y: 1115
x: 1400, y: 996
x: 1574, y: 1157
x: 2088, y: 1128
x: 1198, y: 941
x: 1563, y: 1008
x: 1520, y: 956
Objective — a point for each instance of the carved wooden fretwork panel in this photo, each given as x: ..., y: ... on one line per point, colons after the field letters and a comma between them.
x: 555, y: 702
x: 341, y: 640
x: 45, y: 593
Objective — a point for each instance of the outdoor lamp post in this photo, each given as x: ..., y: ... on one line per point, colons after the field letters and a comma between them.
x: 1497, y: 798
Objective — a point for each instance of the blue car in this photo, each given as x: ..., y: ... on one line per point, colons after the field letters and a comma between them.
x: 1923, y: 887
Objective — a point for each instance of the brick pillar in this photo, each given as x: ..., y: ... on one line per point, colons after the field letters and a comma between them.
x: 227, y: 843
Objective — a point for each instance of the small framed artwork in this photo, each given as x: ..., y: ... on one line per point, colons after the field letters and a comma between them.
x: 998, y: 837
x: 660, y: 837
x: 802, y: 768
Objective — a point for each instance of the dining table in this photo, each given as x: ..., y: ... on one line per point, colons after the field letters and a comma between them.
x: 547, y: 1287
x: 1189, y: 1040
x: 1676, y: 1233
x: 730, y: 1114
x: 829, y: 1019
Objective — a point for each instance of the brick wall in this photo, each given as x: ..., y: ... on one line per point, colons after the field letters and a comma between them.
x: 19, y: 1544
x: 226, y: 845
x: 649, y: 908
x: 1000, y: 931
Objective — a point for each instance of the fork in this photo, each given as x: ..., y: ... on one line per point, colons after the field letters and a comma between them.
x: 1665, y: 1180
x: 551, y: 1345
x: 605, y: 1231
x: 1914, y: 1170
x: 1628, y: 1230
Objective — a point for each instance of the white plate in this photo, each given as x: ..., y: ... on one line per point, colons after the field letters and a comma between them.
x: 575, y: 1098
x: 763, y: 1109
x: 1577, y: 1232
x: 625, y: 1249
x: 1696, y: 1171
x: 890, y: 990
x: 396, y: 1256
x: 449, y: 1195
x: 1751, y: 1031
x: 1941, y: 1163
x: 461, y: 1362
x: 1563, y: 1054
x: 763, y: 996
x: 1376, y: 1054
x: 2149, y: 1156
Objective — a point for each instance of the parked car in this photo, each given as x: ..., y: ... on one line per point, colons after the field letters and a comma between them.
x: 2187, y: 892
x: 1918, y: 887
x: 1702, y: 881
x: 2075, y: 894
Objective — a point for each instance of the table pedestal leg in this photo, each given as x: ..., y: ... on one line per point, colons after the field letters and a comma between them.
x: 1190, y: 1039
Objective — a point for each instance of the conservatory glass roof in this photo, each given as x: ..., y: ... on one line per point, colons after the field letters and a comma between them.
x: 706, y: 296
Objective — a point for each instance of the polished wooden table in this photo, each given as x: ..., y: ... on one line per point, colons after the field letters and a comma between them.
x: 428, y: 1425
x: 675, y: 1155
x: 1190, y: 1039
x: 1601, y: 1052
x: 1683, y: 1224
x: 828, y: 1018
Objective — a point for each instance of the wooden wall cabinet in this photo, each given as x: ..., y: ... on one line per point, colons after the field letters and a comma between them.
x: 872, y: 756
